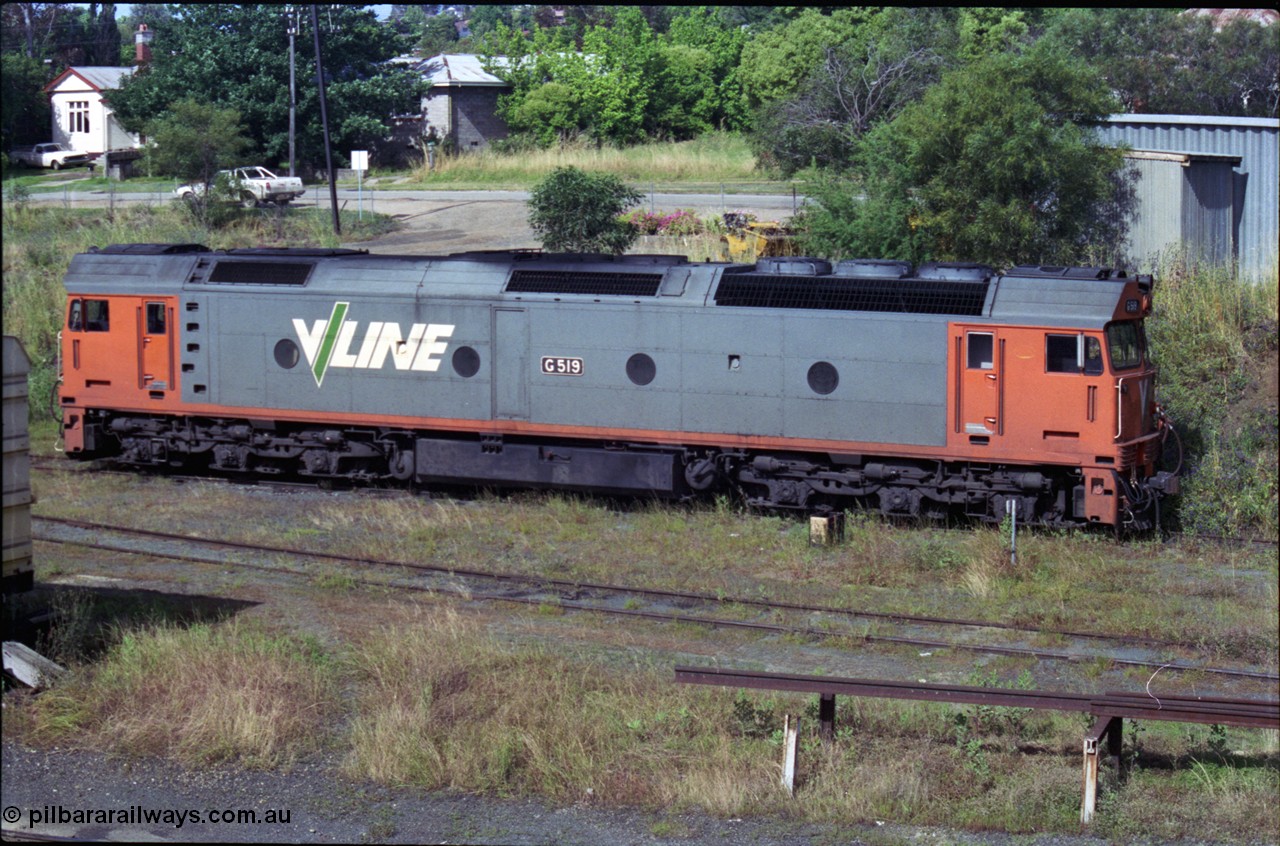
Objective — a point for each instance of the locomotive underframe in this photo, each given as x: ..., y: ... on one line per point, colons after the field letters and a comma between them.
x: 801, y: 481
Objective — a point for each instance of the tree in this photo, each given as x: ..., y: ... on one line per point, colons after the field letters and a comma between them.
x: 194, y: 141
x: 439, y: 34
x: 776, y: 61
x: 1161, y: 61
x: 24, y: 107
x: 996, y: 163
x: 576, y: 211
x: 867, y: 78
x: 702, y: 28
x: 237, y: 57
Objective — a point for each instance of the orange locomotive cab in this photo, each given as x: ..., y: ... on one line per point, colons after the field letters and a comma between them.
x: 118, y: 352
x: 1079, y: 393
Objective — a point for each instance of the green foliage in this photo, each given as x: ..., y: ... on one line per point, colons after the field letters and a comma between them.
x: 997, y: 163
x: 1161, y: 61
x: 777, y: 60
x: 439, y: 33
x: 237, y: 57
x: 576, y: 211
x: 193, y: 140
x: 624, y: 84
x: 24, y: 107
x: 1214, y: 338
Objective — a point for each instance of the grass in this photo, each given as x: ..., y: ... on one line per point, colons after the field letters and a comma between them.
x: 708, y: 164
x: 431, y: 698
x: 201, y: 694
x: 1215, y: 340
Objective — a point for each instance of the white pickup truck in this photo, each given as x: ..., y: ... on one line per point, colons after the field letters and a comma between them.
x: 51, y: 154
x: 250, y: 185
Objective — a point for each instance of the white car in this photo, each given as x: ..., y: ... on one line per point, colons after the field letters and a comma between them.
x: 250, y: 186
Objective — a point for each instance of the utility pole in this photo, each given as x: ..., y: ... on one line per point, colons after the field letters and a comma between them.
x: 324, y: 120
x: 293, y: 21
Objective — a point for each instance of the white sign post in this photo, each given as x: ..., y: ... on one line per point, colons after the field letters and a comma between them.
x: 360, y: 163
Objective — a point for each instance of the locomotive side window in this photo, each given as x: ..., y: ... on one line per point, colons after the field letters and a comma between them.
x: 155, y: 318
x: 88, y: 316
x: 1124, y: 342
x: 1092, y: 357
x: 1062, y: 354
x: 981, y: 349
x: 1072, y: 354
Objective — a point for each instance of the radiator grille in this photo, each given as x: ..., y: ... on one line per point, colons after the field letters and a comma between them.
x: 912, y: 296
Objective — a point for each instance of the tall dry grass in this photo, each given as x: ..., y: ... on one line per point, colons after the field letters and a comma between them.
x: 204, y: 694
x: 701, y: 164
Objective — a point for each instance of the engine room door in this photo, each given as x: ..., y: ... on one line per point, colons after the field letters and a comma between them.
x: 510, y: 364
x: 155, y: 341
x: 981, y: 385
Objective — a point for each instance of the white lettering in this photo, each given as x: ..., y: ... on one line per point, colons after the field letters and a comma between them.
x: 431, y: 346
x: 310, y: 340
x: 371, y: 339
x: 420, y: 351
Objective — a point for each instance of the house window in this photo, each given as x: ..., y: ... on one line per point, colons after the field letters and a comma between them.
x: 79, y: 115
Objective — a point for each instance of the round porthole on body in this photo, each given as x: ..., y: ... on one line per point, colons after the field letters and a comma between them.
x: 286, y: 353
x: 466, y: 362
x: 823, y: 378
x: 641, y: 369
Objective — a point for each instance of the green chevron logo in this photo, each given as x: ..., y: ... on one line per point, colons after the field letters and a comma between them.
x: 319, y: 344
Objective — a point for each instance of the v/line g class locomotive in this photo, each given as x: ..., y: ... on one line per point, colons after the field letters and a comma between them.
x: 943, y: 389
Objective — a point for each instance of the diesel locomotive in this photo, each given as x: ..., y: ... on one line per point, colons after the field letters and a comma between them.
x: 943, y: 389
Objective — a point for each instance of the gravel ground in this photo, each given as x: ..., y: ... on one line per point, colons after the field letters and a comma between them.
x: 325, y: 809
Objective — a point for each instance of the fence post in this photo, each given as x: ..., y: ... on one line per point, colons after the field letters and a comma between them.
x: 791, y: 732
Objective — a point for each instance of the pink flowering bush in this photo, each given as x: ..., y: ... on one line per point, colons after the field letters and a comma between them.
x: 682, y: 222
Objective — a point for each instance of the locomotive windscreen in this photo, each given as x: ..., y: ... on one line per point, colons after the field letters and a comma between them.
x: 578, y: 282
x: 911, y: 296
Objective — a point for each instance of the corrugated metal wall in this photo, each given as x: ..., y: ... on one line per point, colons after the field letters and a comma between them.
x: 1255, y: 189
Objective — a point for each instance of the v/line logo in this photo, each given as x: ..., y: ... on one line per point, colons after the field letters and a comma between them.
x: 328, y: 344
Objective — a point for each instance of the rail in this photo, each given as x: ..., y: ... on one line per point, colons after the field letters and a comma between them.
x: 1109, y: 709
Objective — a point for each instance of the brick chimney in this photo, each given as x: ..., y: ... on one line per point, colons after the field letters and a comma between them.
x: 142, y: 45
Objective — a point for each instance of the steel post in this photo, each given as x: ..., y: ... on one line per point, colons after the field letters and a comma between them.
x: 827, y: 717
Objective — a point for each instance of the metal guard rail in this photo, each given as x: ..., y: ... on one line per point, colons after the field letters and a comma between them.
x: 1110, y: 709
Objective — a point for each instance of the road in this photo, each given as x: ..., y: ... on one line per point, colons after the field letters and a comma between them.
x: 451, y: 221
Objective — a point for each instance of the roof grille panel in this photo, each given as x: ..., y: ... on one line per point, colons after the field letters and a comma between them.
x: 911, y: 296
x: 260, y: 273
x: 581, y: 282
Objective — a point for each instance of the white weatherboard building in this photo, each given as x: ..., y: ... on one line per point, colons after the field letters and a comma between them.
x: 81, y: 118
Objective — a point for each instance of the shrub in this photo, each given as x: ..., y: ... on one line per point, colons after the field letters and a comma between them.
x: 575, y: 211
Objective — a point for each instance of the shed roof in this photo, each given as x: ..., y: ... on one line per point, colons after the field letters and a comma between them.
x: 458, y: 69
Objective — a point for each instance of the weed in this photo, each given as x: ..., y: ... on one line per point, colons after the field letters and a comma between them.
x: 753, y: 720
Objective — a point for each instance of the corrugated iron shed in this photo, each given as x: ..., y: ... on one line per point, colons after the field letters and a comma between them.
x: 1207, y: 143
x: 457, y: 69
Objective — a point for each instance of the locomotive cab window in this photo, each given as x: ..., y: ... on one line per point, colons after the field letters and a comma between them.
x: 155, y: 318
x: 1072, y: 354
x: 88, y: 316
x: 1125, y: 344
x: 981, y: 348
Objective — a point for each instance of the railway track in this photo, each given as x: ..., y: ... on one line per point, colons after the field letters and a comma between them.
x: 107, y: 466
x: 809, y: 622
